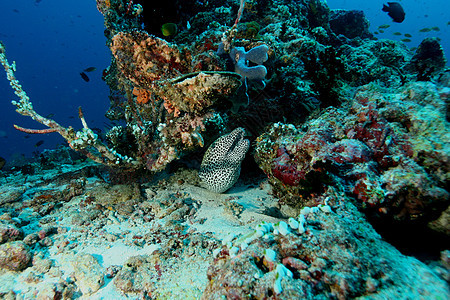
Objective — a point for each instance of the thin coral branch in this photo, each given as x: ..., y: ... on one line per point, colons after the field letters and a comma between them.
x: 240, y: 11
x: 130, y: 3
x: 228, y: 36
x: 81, y: 116
x: 85, y: 140
x: 24, y: 106
x: 35, y: 131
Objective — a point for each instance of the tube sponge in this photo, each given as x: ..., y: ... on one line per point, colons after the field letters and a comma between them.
x: 257, y: 55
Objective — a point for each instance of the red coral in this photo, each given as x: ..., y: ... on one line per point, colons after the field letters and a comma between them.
x: 285, y: 169
x: 377, y: 134
x: 314, y: 140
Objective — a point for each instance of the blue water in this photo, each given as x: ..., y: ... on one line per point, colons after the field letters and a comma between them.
x: 419, y: 14
x: 53, y: 41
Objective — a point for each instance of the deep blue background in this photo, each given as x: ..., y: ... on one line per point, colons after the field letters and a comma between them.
x: 419, y: 14
x: 54, y: 40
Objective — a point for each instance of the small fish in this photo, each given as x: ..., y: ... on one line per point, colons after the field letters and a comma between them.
x: 384, y: 26
x: 16, y: 10
x: 438, y: 39
x: 395, y: 11
x: 406, y: 40
x: 413, y: 49
x: 90, y: 69
x: 39, y: 143
x: 376, y: 32
x: 84, y: 76
x: 425, y: 30
x: 397, y: 33
x: 435, y: 28
x: 169, y: 29
x: 448, y: 23
x: 381, y: 31
x: 2, y: 162
x: 407, y: 35
x: 50, y: 116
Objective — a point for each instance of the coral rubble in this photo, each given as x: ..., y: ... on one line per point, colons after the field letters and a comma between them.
x: 335, y: 255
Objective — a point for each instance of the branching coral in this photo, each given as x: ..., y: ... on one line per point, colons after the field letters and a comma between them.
x: 85, y: 140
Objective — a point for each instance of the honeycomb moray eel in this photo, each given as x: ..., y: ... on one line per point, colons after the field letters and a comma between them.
x: 221, y: 164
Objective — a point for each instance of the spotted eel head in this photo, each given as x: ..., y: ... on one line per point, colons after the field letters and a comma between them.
x: 221, y: 164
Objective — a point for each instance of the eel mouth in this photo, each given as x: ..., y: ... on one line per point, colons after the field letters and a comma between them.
x: 238, y: 139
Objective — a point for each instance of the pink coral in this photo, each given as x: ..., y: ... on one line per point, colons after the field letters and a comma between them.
x: 286, y: 170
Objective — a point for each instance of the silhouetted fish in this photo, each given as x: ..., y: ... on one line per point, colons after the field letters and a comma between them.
x: 84, y: 76
x: 39, y: 143
x: 90, y: 69
x: 425, y: 29
x: 395, y: 11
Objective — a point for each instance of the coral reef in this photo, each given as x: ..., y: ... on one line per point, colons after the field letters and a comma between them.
x: 351, y: 23
x: 389, y: 149
x: 172, y: 92
x: 350, y: 132
x: 428, y: 60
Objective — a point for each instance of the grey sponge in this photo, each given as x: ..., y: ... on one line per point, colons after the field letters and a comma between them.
x: 257, y: 55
